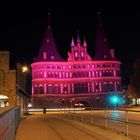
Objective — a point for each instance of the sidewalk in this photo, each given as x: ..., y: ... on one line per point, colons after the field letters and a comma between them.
x: 42, y: 127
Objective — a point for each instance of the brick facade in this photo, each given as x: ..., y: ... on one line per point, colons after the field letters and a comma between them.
x: 7, y: 79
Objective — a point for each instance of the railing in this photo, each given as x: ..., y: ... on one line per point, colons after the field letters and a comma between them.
x: 9, y: 121
x: 124, y: 121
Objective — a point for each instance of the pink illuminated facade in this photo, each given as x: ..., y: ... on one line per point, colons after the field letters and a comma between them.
x: 80, y: 74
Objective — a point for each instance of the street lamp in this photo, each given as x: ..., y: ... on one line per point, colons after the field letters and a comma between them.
x: 21, y: 87
x: 115, y: 100
x: 24, y: 69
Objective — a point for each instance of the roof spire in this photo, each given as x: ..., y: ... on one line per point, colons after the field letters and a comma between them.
x: 102, y: 46
x: 78, y: 37
x: 84, y: 44
x: 99, y: 16
x: 72, y: 43
x: 49, y: 19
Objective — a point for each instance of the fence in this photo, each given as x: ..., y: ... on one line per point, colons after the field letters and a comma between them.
x: 126, y: 121
x: 9, y: 121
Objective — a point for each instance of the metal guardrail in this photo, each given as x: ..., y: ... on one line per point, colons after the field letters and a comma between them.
x: 9, y: 121
x: 122, y: 120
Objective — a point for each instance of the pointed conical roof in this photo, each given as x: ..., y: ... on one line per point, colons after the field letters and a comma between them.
x: 85, y: 43
x: 102, y: 46
x: 72, y: 43
x: 78, y: 37
x: 48, y: 46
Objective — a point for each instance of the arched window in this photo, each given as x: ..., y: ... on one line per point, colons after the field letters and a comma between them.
x: 82, y: 54
x: 96, y: 73
x: 92, y: 74
x: 56, y: 89
x: 49, y: 89
x: 108, y: 87
x: 63, y: 74
x: 35, y: 90
x: 41, y: 89
x: 59, y: 74
x: 44, y: 73
x: 67, y: 75
x: 89, y: 74
x: 76, y: 54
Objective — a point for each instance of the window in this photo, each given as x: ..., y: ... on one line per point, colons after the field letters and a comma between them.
x: 52, y: 57
x: 45, y: 74
x: 70, y: 74
x: 89, y: 74
x: 64, y: 67
x: 97, y: 73
x: 63, y: 74
x: 93, y: 74
x: 82, y: 54
x: 35, y: 90
x: 66, y: 74
x: 44, y: 55
x: 76, y: 54
x: 49, y: 89
x: 100, y: 73
x: 41, y: 89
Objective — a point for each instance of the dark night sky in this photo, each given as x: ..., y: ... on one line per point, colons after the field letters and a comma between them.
x: 22, y: 28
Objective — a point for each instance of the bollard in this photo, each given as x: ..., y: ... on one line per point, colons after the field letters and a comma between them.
x: 105, y: 118
x: 64, y: 112
x: 81, y: 115
x: 74, y: 114
x: 91, y: 120
x: 126, y: 121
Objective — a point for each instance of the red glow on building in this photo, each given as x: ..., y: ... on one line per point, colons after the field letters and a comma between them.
x: 80, y: 74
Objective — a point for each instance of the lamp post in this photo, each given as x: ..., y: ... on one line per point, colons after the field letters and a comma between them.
x: 115, y: 101
x: 24, y: 71
x: 21, y: 101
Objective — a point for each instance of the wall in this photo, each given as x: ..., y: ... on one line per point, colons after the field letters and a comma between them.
x: 7, y: 79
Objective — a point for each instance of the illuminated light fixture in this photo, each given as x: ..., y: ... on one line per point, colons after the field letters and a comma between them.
x: 29, y: 105
x: 24, y: 69
x: 3, y: 97
x: 114, y: 99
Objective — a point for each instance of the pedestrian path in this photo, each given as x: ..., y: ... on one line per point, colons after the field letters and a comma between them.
x: 53, y: 127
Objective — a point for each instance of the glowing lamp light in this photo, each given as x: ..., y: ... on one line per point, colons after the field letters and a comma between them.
x: 115, y: 99
x: 24, y: 69
x: 29, y: 105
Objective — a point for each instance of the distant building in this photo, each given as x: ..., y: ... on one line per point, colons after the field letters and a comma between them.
x: 78, y: 76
